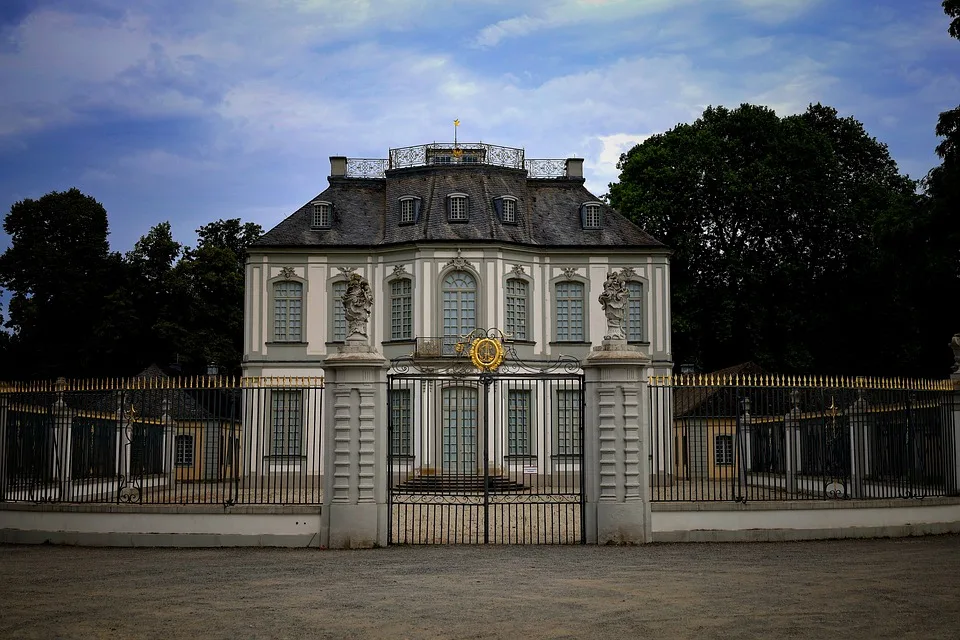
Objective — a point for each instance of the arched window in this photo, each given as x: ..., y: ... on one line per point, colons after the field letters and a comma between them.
x: 401, y: 309
x: 634, y: 319
x: 569, y: 301
x: 459, y: 308
x: 339, y: 333
x: 516, y: 308
x: 287, y: 311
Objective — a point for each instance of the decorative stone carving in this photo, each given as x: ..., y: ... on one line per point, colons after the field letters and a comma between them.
x: 628, y: 273
x: 955, y: 345
x: 400, y: 270
x: 517, y: 270
x: 458, y: 262
x: 357, y: 301
x: 569, y: 272
x: 614, y: 303
x: 287, y: 272
x: 347, y: 271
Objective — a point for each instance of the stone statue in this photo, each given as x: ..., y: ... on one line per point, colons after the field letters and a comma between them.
x: 955, y: 345
x: 614, y: 303
x: 357, y: 300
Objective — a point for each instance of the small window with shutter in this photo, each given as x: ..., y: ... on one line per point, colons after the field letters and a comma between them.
x: 506, y: 209
x: 457, y: 207
x: 409, y: 210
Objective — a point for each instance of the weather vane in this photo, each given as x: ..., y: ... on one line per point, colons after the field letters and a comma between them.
x: 456, y: 149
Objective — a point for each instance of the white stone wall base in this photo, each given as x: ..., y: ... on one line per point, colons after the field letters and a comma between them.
x: 355, y: 526
x: 622, y: 523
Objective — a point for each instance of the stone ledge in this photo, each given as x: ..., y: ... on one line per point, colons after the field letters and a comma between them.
x: 804, y: 505
x: 791, y: 535
x: 192, y: 509
x: 182, y: 540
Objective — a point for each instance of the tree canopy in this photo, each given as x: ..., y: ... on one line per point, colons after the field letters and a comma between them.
x: 796, y: 242
x: 76, y: 309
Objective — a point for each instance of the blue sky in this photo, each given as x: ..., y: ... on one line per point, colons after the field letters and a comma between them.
x: 194, y: 111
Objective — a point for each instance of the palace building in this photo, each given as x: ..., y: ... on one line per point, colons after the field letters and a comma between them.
x: 452, y: 238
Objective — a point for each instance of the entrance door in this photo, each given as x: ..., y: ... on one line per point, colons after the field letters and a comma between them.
x: 459, y: 426
x: 459, y: 308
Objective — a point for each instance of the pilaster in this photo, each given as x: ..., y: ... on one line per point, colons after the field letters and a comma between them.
x: 4, y: 404
x: 616, y: 434
x: 62, y: 450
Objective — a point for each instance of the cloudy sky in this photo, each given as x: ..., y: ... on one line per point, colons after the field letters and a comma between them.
x: 194, y: 111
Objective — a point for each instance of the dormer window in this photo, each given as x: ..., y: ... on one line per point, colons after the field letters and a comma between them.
x: 409, y: 209
x: 509, y: 211
x: 590, y: 215
x: 506, y: 208
x: 321, y: 215
x: 457, y: 210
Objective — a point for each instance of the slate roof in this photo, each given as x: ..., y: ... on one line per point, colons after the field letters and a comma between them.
x: 366, y: 212
x: 692, y: 400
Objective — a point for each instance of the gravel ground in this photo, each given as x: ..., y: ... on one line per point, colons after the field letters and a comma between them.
x: 904, y: 588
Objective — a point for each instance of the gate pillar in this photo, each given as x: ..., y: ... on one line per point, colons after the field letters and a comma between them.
x: 616, y: 445
x: 354, y: 446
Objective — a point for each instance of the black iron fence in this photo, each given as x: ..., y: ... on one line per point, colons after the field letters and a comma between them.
x: 777, y: 438
x: 162, y: 440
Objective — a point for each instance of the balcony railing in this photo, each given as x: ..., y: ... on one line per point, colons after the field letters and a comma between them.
x: 437, y: 347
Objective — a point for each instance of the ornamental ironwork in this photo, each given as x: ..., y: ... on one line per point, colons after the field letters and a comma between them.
x: 546, y: 167
x: 455, y: 153
x: 366, y: 167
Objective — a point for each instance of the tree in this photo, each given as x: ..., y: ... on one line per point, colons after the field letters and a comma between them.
x: 774, y: 223
x: 59, y: 271
x: 204, y: 322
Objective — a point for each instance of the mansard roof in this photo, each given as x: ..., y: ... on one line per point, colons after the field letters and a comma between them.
x: 366, y: 211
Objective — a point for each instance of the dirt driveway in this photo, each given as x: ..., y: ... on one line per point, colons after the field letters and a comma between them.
x: 906, y: 588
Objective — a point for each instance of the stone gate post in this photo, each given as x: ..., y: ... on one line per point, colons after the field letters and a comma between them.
x: 354, y: 448
x: 616, y: 441
x: 354, y: 427
x: 861, y: 436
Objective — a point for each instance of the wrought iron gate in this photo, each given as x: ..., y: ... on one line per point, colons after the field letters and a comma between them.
x: 478, y: 456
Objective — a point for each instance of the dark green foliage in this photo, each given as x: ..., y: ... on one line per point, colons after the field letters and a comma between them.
x: 797, y: 244
x: 78, y: 310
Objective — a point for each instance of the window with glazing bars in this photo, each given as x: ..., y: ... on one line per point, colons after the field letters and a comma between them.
x: 287, y: 418
x: 516, y: 307
x: 569, y: 303
x: 339, y: 319
x: 509, y: 210
x: 591, y: 216
x: 407, y: 210
x: 287, y: 311
x: 458, y: 207
x: 518, y: 422
x: 635, y: 312
x: 400, y: 422
x: 568, y: 422
x: 321, y: 215
x: 723, y: 450
x: 401, y: 309
x: 184, y: 445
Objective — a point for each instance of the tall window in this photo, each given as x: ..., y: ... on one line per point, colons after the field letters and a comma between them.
x: 723, y: 450
x: 400, y: 422
x: 408, y: 211
x: 516, y: 320
x: 569, y: 300
x: 568, y: 422
x: 287, y: 311
x: 401, y: 305
x: 518, y: 422
x: 459, y: 429
x: 339, y: 319
x: 509, y: 210
x: 459, y: 308
x: 287, y: 421
x: 184, y: 445
x: 458, y: 207
x: 321, y: 214
x: 635, y: 312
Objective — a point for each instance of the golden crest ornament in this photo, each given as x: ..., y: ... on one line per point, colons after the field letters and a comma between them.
x: 486, y: 354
